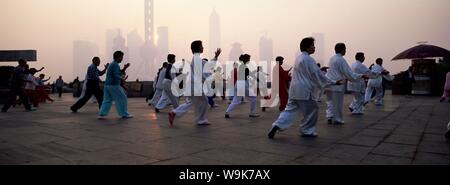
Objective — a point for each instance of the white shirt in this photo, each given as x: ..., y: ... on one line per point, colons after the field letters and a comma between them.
x: 358, y: 85
x: 161, y: 76
x: 307, y: 78
x: 340, y: 70
x: 32, y: 82
x: 376, y: 82
x: 200, y: 71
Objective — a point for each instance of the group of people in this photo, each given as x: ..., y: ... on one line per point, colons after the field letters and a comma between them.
x: 114, y: 88
x: 308, y: 79
x: 298, y: 89
x: 30, y: 88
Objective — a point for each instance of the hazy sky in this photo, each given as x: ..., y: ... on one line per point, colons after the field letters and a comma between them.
x: 380, y: 28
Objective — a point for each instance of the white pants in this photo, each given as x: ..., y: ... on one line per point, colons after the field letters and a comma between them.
x: 237, y: 100
x: 308, y: 108
x: 242, y: 90
x: 319, y: 96
x: 167, y: 92
x: 357, y: 103
x: 335, y: 101
x: 200, y: 107
x: 378, y: 97
x: 156, y: 97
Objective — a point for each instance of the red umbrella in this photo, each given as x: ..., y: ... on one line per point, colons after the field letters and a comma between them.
x: 423, y: 51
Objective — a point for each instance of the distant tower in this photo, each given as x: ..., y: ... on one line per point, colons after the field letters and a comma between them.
x: 320, y: 48
x: 83, y: 52
x: 119, y: 44
x: 266, y: 49
x: 149, y: 51
x: 214, y: 32
x: 163, y: 43
x: 149, y: 20
x: 134, y: 43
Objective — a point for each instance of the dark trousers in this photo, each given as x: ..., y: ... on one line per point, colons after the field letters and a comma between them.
x: 60, y: 91
x: 13, y: 93
x: 211, y: 100
x: 92, y: 88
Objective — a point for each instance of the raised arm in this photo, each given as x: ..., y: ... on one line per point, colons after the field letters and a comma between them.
x: 101, y: 73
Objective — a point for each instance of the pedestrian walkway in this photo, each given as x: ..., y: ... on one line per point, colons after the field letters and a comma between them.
x: 405, y: 131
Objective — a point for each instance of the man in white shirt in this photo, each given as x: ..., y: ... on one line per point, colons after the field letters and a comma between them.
x: 306, y: 79
x: 199, y: 73
x: 158, y: 85
x: 339, y: 70
x: 358, y: 87
x: 376, y: 84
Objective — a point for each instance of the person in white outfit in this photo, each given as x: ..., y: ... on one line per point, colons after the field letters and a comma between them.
x: 376, y: 84
x: 244, y: 88
x: 306, y: 79
x: 359, y: 87
x: 168, y: 95
x: 200, y: 71
x: 339, y: 70
x: 158, y: 85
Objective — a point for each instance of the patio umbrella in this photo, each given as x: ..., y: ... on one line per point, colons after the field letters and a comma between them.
x: 423, y: 51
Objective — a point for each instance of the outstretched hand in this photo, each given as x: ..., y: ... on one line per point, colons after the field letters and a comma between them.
x: 107, y: 65
x: 127, y: 65
x: 218, y: 52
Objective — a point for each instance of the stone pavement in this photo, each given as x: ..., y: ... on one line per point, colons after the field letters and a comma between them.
x: 403, y: 132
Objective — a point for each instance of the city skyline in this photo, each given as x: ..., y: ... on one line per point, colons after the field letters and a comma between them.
x: 380, y: 29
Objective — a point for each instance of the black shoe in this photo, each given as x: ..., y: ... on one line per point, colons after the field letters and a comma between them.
x: 264, y: 109
x: 365, y: 103
x: 157, y: 110
x: 227, y: 116
x: 447, y: 135
x: 4, y: 111
x: 310, y: 135
x: 73, y: 110
x: 338, y: 123
x: 351, y: 110
x: 273, y: 132
x: 330, y: 121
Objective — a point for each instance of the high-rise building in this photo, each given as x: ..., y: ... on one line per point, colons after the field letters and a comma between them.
x: 110, y: 34
x: 163, y: 43
x: 149, y: 20
x: 149, y: 51
x: 265, y: 49
x: 214, y: 32
x: 134, y: 43
x: 119, y: 44
x: 83, y: 52
x: 319, y: 55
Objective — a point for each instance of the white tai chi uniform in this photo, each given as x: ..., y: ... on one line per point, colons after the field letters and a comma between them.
x: 158, y: 86
x: 339, y: 70
x: 244, y: 88
x: 375, y: 84
x: 321, y: 92
x: 358, y: 87
x: 198, y: 98
x: 306, y: 79
x: 167, y: 90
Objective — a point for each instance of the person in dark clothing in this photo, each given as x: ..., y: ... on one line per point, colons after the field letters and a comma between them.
x: 409, y: 80
x: 92, y: 85
x: 60, y: 86
x: 17, y: 83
